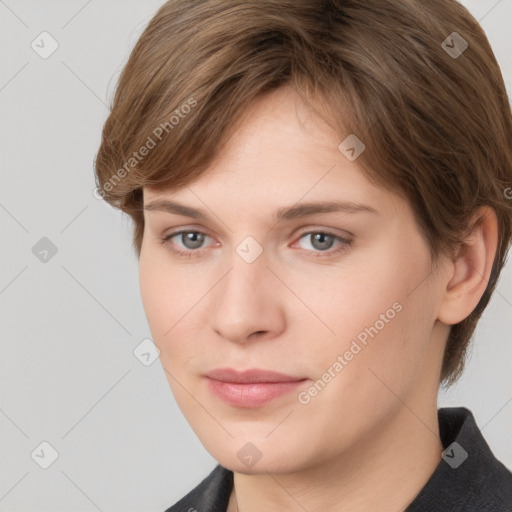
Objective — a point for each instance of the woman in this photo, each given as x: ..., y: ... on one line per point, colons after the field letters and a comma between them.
x: 321, y: 195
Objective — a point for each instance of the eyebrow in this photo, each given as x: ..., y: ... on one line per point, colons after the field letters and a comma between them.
x: 282, y: 214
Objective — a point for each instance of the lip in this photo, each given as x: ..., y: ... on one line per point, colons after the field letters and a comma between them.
x: 251, y: 388
x: 251, y: 376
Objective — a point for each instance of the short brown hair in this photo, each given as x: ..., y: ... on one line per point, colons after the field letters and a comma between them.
x: 416, y: 81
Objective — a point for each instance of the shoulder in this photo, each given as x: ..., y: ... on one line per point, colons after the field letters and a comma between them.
x: 210, y: 495
x: 469, y: 476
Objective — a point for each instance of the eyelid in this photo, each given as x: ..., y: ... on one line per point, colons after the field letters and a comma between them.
x: 336, y: 232
x: 307, y: 230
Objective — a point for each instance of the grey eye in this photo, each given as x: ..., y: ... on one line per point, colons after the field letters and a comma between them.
x: 192, y: 239
x: 320, y: 241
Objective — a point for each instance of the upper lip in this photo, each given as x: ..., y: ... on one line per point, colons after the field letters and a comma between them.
x: 251, y: 376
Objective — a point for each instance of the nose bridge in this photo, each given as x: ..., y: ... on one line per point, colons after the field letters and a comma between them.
x: 248, y: 270
x: 245, y: 300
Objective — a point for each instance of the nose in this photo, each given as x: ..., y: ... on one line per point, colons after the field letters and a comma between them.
x: 247, y: 302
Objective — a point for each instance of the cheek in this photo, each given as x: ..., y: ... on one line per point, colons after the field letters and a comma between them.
x: 173, y: 296
x: 152, y: 289
x: 161, y: 294
x: 163, y: 288
x: 369, y: 384
x: 379, y: 315
x: 354, y: 297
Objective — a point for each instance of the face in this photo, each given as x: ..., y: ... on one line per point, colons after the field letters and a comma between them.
x: 342, y: 301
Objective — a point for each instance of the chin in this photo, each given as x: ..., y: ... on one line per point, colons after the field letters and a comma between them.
x: 275, y: 463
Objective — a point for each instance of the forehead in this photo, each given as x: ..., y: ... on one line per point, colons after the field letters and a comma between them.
x: 282, y: 152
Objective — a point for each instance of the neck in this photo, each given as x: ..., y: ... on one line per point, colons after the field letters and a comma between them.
x: 389, y: 468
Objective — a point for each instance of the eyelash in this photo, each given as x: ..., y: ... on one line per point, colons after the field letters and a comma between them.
x: 193, y: 253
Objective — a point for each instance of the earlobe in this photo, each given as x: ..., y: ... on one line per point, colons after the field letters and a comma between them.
x: 472, y: 265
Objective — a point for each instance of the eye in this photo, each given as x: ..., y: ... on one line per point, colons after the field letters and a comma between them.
x: 322, y: 241
x: 191, y: 242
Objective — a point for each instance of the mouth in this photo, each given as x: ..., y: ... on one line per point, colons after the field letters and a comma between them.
x: 251, y: 388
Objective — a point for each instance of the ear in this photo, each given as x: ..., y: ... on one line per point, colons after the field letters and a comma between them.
x: 470, y: 268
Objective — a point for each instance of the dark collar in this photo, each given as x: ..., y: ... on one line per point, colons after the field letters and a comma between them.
x: 469, y: 478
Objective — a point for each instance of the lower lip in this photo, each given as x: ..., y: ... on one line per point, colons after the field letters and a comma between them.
x: 251, y: 395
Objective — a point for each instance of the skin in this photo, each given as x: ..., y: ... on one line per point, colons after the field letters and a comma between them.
x: 369, y: 440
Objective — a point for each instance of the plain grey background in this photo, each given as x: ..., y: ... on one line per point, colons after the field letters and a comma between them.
x: 69, y: 325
